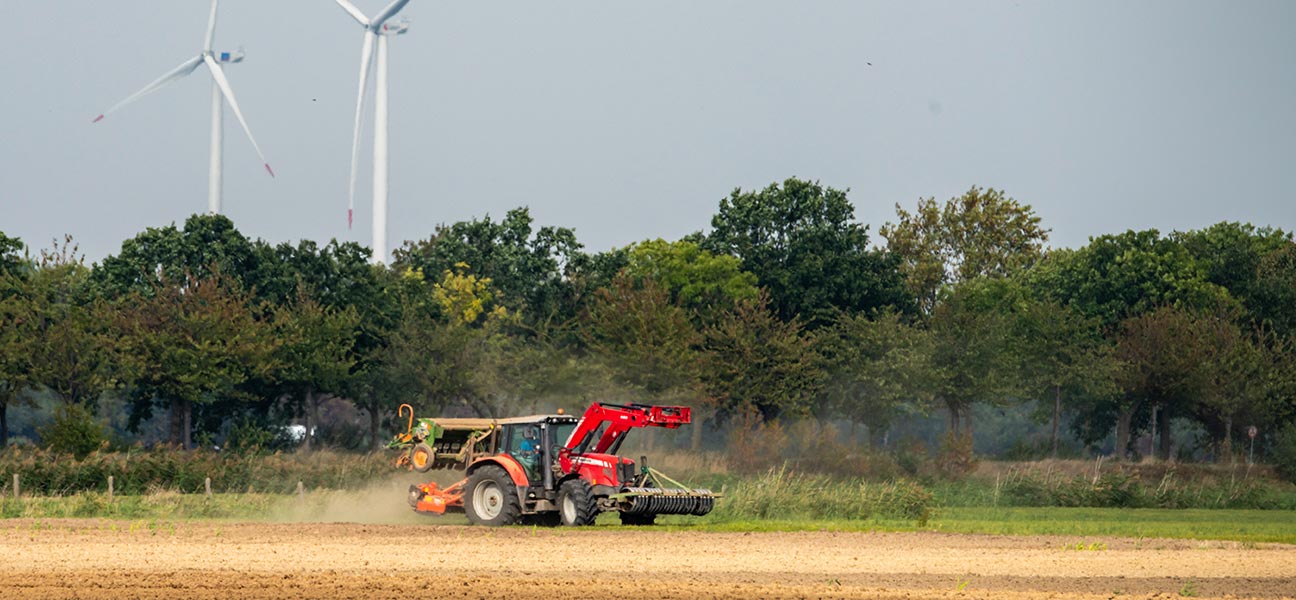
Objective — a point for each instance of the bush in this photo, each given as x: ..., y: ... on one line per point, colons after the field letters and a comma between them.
x: 48, y: 473
x: 956, y: 457
x: 74, y: 431
x: 755, y: 445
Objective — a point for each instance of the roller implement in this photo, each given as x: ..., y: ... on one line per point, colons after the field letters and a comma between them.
x: 547, y: 469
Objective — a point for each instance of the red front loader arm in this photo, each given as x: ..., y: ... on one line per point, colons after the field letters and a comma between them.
x: 620, y: 418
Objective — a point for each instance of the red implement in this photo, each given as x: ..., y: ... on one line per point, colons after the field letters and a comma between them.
x: 428, y: 498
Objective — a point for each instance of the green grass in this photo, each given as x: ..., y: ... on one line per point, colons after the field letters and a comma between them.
x: 1234, y: 525
x: 1195, y: 524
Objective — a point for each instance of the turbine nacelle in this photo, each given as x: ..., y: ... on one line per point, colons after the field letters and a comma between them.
x: 236, y: 56
x: 397, y: 28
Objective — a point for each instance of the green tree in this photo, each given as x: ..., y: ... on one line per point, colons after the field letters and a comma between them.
x: 974, y: 357
x: 1066, y: 361
x: 16, y: 329
x: 696, y: 279
x: 1275, y: 289
x: 314, y: 353
x: 192, y: 342
x: 72, y: 351
x: 526, y: 268
x: 880, y: 370
x: 1164, y: 353
x: 802, y: 243
x: 206, y: 244
x: 981, y: 233
x: 755, y: 361
x: 647, y: 340
x: 1116, y: 277
x: 1231, y: 255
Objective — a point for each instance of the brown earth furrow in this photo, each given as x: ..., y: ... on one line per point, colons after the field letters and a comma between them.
x: 106, y: 559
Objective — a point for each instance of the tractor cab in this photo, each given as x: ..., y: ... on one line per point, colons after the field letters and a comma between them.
x: 534, y: 442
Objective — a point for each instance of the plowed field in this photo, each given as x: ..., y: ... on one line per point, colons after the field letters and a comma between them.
x: 119, y: 559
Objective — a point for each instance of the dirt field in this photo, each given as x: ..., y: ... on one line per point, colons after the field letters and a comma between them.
x: 120, y: 559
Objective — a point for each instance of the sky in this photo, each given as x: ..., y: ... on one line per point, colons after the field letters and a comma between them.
x: 631, y: 120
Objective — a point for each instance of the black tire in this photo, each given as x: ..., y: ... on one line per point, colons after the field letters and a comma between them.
x: 421, y: 457
x: 637, y: 520
x: 576, y: 503
x: 491, y: 498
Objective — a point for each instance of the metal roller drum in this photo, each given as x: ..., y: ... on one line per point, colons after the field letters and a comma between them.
x: 667, y: 501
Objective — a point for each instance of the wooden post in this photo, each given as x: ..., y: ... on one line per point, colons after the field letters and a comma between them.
x: 207, y: 484
x: 110, y: 488
x: 15, y: 486
x: 301, y: 491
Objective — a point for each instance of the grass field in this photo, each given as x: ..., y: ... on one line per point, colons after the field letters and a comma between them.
x: 387, y: 506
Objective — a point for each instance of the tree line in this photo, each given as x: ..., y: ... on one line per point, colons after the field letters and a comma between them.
x: 783, y: 308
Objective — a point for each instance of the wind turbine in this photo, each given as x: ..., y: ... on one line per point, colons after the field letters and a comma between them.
x: 221, y: 92
x: 375, y: 30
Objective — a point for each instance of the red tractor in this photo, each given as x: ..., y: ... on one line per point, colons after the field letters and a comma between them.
x: 548, y: 469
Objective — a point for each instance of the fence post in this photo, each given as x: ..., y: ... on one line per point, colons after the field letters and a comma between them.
x: 301, y: 491
x: 15, y: 486
x: 110, y: 488
x: 207, y: 484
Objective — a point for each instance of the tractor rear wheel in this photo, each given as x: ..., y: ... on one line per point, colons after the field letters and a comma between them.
x: 491, y: 498
x: 421, y: 457
x: 576, y: 503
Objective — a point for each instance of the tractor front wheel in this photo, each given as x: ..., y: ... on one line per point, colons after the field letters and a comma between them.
x: 576, y: 503
x: 491, y: 498
x: 420, y: 457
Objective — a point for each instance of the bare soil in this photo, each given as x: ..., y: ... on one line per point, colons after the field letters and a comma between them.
x: 122, y: 559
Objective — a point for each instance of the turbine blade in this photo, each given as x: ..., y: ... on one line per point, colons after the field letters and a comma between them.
x: 366, y: 57
x: 387, y: 13
x: 354, y: 12
x: 185, y: 68
x: 211, y: 27
x: 228, y: 92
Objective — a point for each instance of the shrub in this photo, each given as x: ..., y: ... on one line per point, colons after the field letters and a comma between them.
x: 755, y: 445
x: 48, y: 473
x: 74, y: 430
x: 956, y: 458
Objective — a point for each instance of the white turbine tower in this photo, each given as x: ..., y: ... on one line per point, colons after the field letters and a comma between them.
x: 375, y: 30
x: 221, y: 91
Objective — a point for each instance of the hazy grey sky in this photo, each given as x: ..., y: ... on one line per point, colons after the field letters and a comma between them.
x: 630, y: 120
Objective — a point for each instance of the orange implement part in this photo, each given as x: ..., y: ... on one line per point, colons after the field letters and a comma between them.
x: 435, y: 500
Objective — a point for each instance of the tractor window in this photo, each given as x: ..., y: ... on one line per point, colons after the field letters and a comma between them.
x: 559, y: 432
x: 511, y: 439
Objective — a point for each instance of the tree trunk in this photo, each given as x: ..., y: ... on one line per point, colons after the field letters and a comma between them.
x: 374, y: 420
x: 1227, y: 446
x: 1057, y: 416
x: 953, y: 419
x: 1123, y: 421
x: 311, y: 416
x: 176, y: 417
x: 4, y: 426
x: 188, y: 424
x: 1167, y: 439
x: 695, y: 441
x: 1152, y: 447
